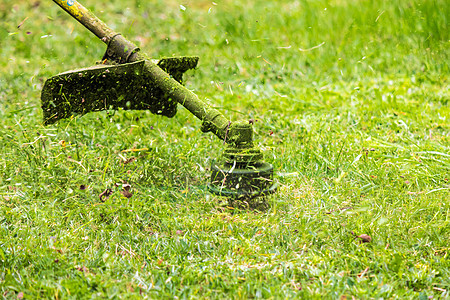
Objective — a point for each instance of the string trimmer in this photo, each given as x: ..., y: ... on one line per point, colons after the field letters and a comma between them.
x: 128, y: 79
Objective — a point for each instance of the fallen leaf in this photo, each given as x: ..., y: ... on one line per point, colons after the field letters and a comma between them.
x: 365, y: 238
x: 105, y: 194
x: 126, y: 193
x: 129, y: 160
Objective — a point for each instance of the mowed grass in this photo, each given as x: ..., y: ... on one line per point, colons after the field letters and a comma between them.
x: 351, y: 100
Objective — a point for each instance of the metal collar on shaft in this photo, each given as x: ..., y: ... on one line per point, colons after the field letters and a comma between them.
x: 120, y: 49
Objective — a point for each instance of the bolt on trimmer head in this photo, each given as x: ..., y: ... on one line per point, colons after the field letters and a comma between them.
x: 129, y: 79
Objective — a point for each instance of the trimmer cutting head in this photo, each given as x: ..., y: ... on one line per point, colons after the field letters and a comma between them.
x: 241, y: 174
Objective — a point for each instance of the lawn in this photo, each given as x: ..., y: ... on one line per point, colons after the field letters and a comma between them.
x: 351, y: 106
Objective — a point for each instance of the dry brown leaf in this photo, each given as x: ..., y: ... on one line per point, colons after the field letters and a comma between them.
x: 126, y: 193
x: 129, y: 160
x: 105, y: 194
x: 365, y: 238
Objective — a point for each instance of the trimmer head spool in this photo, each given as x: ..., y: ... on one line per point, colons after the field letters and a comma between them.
x: 242, y: 181
x: 241, y: 174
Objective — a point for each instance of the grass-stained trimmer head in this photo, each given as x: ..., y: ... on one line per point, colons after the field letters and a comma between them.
x: 241, y: 173
x: 129, y: 79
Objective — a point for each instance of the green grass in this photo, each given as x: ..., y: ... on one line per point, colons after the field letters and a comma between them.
x: 352, y: 103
